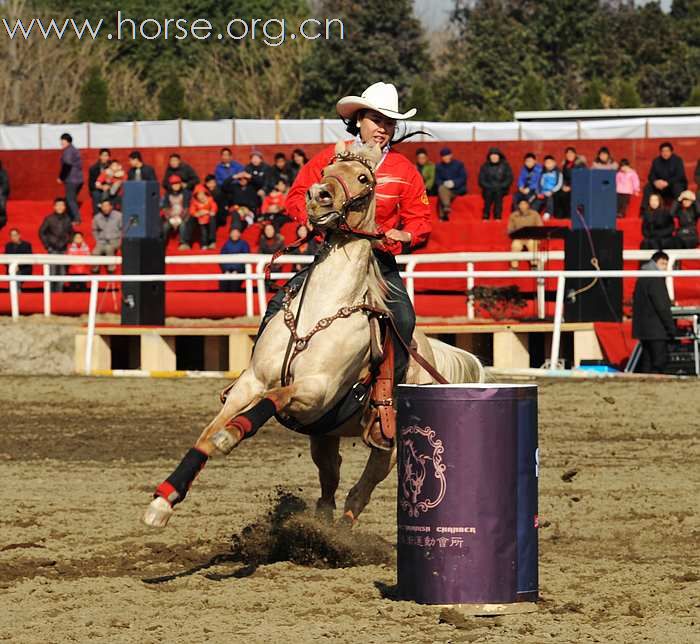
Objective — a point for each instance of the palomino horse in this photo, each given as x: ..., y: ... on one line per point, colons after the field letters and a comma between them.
x: 330, y: 353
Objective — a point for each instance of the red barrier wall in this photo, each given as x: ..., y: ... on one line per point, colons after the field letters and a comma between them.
x: 33, y: 172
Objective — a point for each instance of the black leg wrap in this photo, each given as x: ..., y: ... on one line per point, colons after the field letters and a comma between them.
x: 258, y: 415
x: 185, y: 473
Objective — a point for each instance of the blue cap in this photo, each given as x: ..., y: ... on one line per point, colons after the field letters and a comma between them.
x: 445, y: 152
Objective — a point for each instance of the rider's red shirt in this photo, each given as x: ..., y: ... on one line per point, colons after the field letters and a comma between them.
x: 401, y: 202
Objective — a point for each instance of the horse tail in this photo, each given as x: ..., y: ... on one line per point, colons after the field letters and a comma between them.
x: 457, y: 365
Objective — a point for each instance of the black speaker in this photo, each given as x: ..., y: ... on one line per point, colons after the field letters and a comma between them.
x: 141, y: 210
x: 602, y: 301
x: 143, y: 303
x: 593, y: 199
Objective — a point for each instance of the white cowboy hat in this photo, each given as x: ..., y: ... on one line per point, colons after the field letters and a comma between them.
x: 380, y: 97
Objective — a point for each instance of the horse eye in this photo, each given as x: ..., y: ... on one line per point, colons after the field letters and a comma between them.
x: 362, y: 178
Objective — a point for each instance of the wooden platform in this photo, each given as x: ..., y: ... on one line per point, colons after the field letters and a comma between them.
x: 228, y: 349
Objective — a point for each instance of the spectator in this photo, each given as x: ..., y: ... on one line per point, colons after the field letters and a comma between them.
x: 529, y: 179
x: 226, y: 168
x: 278, y: 172
x: 652, y: 322
x: 697, y: 175
x: 603, y: 160
x: 56, y: 232
x: 107, y: 231
x: 78, y: 248
x: 666, y: 175
x: 550, y: 183
x: 4, y: 195
x: 178, y: 167
x: 274, y: 202
x: 17, y: 246
x: 71, y: 176
x: 203, y: 212
x: 110, y: 181
x: 174, y: 209
x: 310, y: 245
x: 297, y: 163
x: 95, y: 170
x: 426, y: 168
x: 258, y: 171
x: 138, y: 170
x: 685, y: 210
x: 451, y: 181
x: 523, y: 217
x: 234, y: 246
x: 270, y: 240
x: 212, y: 187
x: 244, y: 200
x: 495, y: 177
x: 562, y: 199
x: 627, y: 184
x: 657, y: 225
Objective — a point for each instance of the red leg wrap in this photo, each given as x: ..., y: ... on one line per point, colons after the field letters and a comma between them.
x: 168, y: 492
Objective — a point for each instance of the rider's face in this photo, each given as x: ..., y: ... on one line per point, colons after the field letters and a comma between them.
x: 377, y: 128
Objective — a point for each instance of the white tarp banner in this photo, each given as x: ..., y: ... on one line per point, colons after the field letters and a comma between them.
x: 112, y: 135
x: 255, y: 131
x: 496, y: 131
x: 548, y: 130
x: 614, y: 129
x: 157, y: 134
x: 444, y: 132
x: 19, y: 137
x: 299, y: 131
x: 51, y: 135
x: 334, y: 131
x: 666, y: 128
x: 219, y: 133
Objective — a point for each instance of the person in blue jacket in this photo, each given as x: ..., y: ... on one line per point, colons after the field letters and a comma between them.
x: 227, y: 167
x: 551, y: 181
x: 451, y: 181
x: 528, y: 179
x: 234, y: 245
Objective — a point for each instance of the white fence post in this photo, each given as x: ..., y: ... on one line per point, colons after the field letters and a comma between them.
x: 262, y: 301
x: 470, y: 295
x: 558, y: 315
x: 410, y: 281
x: 14, y: 295
x: 47, y: 291
x: 249, y: 305
x: 92, y: 315
x: 541, y: 292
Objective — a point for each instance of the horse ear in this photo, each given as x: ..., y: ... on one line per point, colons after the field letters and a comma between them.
x: 340, y: 147
x: 373, y: 154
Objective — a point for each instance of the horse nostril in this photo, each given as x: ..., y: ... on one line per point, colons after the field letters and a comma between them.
x: 325, y: 195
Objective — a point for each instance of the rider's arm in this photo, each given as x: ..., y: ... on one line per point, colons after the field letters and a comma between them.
x: 414, y: 208
x: 309, y: 174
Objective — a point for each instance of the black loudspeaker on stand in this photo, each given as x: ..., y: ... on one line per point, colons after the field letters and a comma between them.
x: 143, y: 253
x: 587, y: 300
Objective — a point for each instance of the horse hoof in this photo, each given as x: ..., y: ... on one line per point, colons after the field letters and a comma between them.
x: 347, y: 521
x: 324, y: 511
x: 158, y: 513
x: 224, y: 441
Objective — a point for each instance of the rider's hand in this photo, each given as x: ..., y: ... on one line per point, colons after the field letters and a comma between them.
x: 398, y: 235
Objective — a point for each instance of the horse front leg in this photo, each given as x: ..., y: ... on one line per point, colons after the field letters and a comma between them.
x: 325, y: 453
x: 173, y: 490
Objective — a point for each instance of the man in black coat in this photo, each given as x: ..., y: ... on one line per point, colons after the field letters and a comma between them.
x: 652, y: 322
x: 178, y: 167
x: 56, y: 232
x: 666, y: 175
x: 17, y: 246
x: 139, y: 171
x: 495, y: 177
x: 102, y: 163
x: 4, y: 194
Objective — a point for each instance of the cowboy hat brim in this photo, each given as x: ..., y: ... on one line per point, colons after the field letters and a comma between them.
x: 348, y: 106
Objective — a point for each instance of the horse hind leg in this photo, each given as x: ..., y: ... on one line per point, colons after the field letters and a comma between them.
x: 325, y: 453
x: 379, y: 464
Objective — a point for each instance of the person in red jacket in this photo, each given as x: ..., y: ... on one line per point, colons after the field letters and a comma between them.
x: 402, y: 209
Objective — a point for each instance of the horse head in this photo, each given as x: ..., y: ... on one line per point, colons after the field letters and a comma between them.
x: 343, y: 198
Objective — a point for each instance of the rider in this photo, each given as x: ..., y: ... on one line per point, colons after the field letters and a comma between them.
x: 402, y: 210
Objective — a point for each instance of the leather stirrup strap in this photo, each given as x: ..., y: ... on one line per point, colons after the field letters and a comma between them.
x: 383, y: 389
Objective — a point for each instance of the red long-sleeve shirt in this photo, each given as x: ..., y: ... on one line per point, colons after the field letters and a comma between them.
x: 401, y: 202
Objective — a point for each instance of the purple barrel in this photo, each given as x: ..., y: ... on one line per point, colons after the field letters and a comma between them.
x: 467, y: 494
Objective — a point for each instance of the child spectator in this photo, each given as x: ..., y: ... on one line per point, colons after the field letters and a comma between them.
x: 109, y: 181
x: 550, y: 183
x: 203, y: 209
x: 234, y: 246
x: 107, y: 231
x: 657, y: 225
x: 603, y: 160
x: 562, y: 199
x: 426, y: 168
x: 685, y: 210
x: 627, y: 183
x: 523, y: 217
x: 495, y: 177
x: 17, y: 246
x: 275, y: 199
x: 221, y: 211
x: 174, y: 212
x: 78, y: 248
x: 451, y: 181
x: 528, y: 179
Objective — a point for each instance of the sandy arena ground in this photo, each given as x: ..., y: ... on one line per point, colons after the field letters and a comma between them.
x: 79, y: 457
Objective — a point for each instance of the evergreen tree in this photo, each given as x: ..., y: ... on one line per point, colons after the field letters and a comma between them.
x: 422, y: 97
x: 171, y: 101
x: 93, y: 99
x: 593, y: 96
x: 694, y: 98
x: 627, y: 95
x: 532, y: 94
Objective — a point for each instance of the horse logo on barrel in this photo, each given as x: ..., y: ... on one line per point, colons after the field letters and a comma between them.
x: 423, y: 468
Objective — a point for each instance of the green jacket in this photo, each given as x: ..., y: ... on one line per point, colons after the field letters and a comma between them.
x: 427, y: 171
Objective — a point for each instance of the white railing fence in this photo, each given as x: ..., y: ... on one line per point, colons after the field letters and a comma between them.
x: 255, y: 263
x: 561, y: 277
